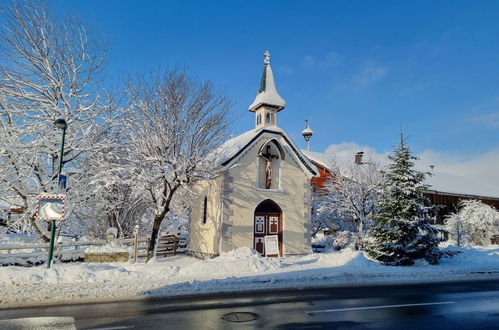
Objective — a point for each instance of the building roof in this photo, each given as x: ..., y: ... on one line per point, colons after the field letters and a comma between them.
x: 226, y: 154
x: 440, y: 182
x: 458, y: 185
x: 267, y: 93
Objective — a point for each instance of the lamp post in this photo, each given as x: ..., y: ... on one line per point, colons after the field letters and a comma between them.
x: 61, y: 124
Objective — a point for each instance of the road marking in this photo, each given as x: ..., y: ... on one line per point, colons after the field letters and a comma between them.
x: 114, y: 328
x: 380, y: 307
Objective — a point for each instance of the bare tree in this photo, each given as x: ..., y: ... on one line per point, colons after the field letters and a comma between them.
x: 48, y: 69
x: 172, y: 122
x: 349, y: 197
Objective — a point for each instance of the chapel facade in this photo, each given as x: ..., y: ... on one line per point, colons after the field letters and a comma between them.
x: 263, y: 195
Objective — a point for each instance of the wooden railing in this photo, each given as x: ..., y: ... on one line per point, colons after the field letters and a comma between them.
x: 35, y: 254
x: 170, y: 245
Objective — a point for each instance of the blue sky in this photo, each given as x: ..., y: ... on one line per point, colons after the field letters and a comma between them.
x: 358, y: 70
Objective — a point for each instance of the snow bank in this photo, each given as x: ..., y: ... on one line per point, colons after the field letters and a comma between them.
x: 238, y: 270
x: 105, y: 249
x: 18, y: 239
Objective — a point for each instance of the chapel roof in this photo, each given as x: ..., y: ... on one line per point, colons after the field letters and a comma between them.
x: 231, y: 149
x: 267, y: 93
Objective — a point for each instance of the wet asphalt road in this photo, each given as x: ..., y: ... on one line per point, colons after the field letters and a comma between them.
x: 463, y: 305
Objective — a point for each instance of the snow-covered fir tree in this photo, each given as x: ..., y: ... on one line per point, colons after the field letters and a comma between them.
x: 403, y: 230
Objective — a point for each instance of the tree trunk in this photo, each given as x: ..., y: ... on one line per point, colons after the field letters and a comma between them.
x: 155, y: 231
x: 38, y: 230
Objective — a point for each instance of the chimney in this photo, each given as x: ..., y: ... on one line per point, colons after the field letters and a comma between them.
x: 358, y: 157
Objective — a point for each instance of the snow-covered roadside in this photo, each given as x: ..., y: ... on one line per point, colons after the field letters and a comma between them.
x: 238, y: 270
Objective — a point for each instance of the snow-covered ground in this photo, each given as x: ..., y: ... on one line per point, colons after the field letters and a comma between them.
x: 238, y: 270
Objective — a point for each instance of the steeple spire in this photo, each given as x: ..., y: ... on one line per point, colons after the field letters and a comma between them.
x: 267, y: 93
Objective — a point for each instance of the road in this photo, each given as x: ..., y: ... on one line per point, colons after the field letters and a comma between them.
x: 463, y: 305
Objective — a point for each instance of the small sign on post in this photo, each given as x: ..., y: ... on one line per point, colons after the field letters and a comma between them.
x: 49, y: 207
x: 62, y: 183
x: 271, y: 246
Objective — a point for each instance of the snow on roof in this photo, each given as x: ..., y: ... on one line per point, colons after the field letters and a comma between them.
x: 456, y: 184
x: 233, y: 147
x: 307, y: 130
x: 325, y: 160
x: 439, y: 181
x: 267, y: 94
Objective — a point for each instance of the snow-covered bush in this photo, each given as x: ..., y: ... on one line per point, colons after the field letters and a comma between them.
x: 344, y: 239
x: 475, y: 223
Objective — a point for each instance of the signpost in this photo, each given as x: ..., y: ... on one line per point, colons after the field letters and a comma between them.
x: 62, y: 182
x: 271, y: 245
x: 50, y: 208
x: 53, y: 208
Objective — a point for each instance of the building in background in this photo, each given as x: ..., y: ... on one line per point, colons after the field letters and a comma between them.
x: 446, y: 190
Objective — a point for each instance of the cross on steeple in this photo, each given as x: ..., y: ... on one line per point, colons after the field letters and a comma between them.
x: 267, y: 57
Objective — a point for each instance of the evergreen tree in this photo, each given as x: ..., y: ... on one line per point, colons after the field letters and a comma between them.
x: 403, y: 230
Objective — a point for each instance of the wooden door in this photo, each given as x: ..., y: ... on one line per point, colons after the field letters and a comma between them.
x: 268, y: 223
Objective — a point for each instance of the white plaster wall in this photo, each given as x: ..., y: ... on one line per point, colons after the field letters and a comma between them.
x: 294, y: 197
x: 205, y: 238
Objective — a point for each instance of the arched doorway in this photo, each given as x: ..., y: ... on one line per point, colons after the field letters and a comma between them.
x: 267, y: 222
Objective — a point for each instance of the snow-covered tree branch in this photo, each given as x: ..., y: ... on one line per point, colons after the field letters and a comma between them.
x: 349, y: 197
x: 172, y: 123
x: 48, y: 69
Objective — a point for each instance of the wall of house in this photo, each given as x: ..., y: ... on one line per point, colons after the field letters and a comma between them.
x: 449, y: 203
x: 241, y: 196
x: 204, y: 238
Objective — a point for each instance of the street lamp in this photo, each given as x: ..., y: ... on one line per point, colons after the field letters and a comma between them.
x: 61, y: 124
x: 307, y: 134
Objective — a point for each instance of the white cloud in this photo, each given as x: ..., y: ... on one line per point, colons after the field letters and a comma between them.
x: 369, y: 73
x: 489, y: 119
x: 327, y: 61
x: 347, y: 150
x: 308, y: 60
x: 482, y: 168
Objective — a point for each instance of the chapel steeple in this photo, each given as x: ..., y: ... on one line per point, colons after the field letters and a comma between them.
x: 267, y: 102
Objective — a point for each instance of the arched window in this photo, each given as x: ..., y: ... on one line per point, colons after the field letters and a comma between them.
x: 205, y: 208
x: 259, y: 119
x: 269, y: 164
x: 267, y: 117
x: 272, y: 118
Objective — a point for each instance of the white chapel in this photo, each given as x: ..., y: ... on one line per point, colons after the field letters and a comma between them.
x: 263, y: 195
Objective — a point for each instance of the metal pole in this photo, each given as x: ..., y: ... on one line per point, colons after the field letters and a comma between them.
x: 52, y: 226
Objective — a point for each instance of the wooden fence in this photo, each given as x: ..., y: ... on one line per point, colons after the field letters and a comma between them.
x: 35, y: 254
x: 170, y: 245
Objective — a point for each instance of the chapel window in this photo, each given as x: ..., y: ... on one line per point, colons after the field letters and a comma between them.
x: 259, y: 119
x: 267, y: 117
x: 205, y: 208
x: 269, y: 165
